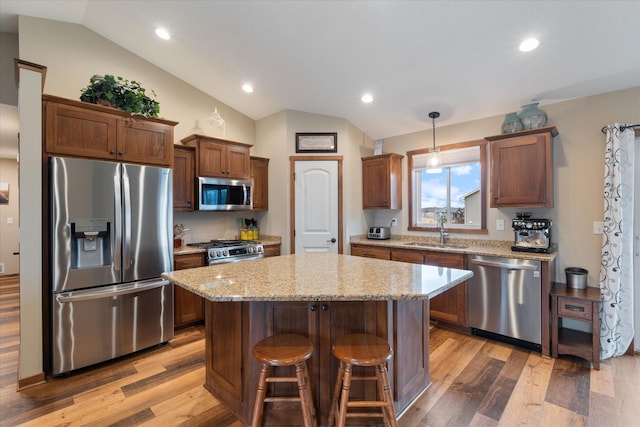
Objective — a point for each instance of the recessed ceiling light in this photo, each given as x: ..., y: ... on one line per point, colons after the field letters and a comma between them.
x: 162, y: 33
x: 367, y: 98
x: 528, y: 44
x: 247, y: 88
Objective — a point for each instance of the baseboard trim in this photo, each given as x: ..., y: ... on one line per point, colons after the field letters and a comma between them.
x: 31, y: 381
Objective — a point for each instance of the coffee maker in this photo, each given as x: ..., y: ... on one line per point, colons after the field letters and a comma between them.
x: 531, y: 234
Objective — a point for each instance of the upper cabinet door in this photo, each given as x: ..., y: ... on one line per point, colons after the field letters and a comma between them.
x: 260, y: 179
x: 382, y: 182
x: 237, y: 162
x: 522, y: 169
x: 75, y: 131
x: 183, y: 178
x: 211, y: 157
x: 141, y: 141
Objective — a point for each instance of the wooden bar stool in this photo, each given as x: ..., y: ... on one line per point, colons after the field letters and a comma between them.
x: 361, y: 350
x: 284, y: 350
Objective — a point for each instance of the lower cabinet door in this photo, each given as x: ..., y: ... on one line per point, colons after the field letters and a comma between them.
x: 188, y: 307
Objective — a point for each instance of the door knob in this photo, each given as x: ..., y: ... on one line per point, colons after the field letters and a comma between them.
x: 333, y: 240
x: 314, y: 307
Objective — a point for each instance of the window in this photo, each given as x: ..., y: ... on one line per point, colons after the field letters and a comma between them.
x: 457, y: 192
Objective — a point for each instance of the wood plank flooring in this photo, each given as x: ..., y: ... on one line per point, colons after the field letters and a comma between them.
x: 476, y: 382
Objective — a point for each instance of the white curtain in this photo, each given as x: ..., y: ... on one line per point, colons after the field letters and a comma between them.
x: 616, y: 271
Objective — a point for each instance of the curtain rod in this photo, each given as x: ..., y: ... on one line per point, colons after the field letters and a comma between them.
x: 622, y: 128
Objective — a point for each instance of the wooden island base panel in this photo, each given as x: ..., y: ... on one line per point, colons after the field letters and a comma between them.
x: 323, y: 297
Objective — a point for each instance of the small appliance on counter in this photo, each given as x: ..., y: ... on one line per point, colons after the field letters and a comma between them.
x: 379, y: 233
x: 531, y: 234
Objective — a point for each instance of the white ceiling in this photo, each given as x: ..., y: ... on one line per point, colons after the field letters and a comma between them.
x: 456, y: 57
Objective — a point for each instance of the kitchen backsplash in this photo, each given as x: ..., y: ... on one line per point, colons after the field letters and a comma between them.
x: 204, y: 226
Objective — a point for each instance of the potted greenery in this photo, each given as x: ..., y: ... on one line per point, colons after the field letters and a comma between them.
x: 120, y: 93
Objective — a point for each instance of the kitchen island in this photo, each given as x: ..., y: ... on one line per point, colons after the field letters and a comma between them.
x: 321, y: 296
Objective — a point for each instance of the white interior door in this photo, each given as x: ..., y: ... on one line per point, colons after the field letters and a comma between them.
x: 316, y: 206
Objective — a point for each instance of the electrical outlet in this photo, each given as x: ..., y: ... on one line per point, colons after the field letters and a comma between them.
x: 499, y: 224
x: 9, y: 220
x: 598, y: 227
x: 2, y: 267
x: 394, y: 221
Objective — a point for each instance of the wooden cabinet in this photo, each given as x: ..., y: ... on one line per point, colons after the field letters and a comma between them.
x: 521, y: 170
x: 74, y: 128
x: 184, y: 164
x: 370, y: 251
x: 219, y: 158
x: 576, y: 304
x: 188, y: 308
x: 382, y: 181
x: 451, y: 305
x: 260, y: 179
x: 272, y: 250
x: 232, y: 372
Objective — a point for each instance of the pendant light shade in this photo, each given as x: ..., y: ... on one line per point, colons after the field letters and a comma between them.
x: 433, y: 162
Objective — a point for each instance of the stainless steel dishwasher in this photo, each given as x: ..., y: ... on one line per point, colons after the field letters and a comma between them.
x: 505, y: 299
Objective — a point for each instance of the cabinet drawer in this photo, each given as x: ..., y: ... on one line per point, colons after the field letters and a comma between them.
x: 370, y: 252
x: 576, y: 309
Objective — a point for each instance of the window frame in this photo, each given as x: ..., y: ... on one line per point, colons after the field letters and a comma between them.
x: 482, y: 144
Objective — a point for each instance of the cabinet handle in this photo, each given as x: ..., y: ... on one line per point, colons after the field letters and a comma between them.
x: 314, y: 307
x: 120, y: 153
x: 573, y: 307
x: 324, y: 307
x: 112, y: 152
x: 189, y: 201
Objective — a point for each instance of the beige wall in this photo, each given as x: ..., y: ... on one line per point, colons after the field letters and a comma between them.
x: 73, y: 53
x: 9, y: 232
x: 578, y: 154
x: 276, y: 140
x: 8, y: 51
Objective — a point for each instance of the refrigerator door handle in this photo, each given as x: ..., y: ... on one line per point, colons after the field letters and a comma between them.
x: 122, y: 290
x: 117, y: 209
x: 126, y: 260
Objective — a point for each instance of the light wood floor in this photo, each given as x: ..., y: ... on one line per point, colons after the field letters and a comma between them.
x: 475, y: 382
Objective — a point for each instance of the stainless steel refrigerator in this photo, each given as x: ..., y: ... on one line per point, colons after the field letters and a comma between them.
x: 111, y: 237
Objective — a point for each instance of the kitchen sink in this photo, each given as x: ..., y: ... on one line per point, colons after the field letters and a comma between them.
x: 434, y: 245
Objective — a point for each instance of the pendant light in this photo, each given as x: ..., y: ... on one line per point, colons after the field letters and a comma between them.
x: 433, y: 161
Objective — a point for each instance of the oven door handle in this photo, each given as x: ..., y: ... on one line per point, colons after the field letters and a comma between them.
x: 504, y: 265
x: 229, y: 260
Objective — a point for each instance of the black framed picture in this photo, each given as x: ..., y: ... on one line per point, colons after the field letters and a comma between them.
x: 326, y: 142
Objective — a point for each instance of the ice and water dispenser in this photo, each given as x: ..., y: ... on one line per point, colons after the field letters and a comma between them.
x: 90, y: 243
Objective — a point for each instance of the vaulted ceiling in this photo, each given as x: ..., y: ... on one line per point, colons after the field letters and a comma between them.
x: 460, y: 58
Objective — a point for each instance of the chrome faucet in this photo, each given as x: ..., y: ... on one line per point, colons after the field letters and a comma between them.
x: 443, y: 233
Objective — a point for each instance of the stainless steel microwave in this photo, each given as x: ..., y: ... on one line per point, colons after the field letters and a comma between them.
x: 219, y: 194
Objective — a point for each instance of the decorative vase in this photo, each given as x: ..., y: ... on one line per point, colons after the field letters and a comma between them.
x: 511, y: 123
x: 532, y: 117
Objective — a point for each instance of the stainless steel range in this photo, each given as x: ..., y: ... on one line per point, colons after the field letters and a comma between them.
x: 223, y: 251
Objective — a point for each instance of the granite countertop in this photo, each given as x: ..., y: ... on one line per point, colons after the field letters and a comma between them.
x: 265, y: 240
x: 501, y: 248
x: 317, y: 276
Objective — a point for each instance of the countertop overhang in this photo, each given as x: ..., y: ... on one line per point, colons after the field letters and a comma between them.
x: 318, y: 277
